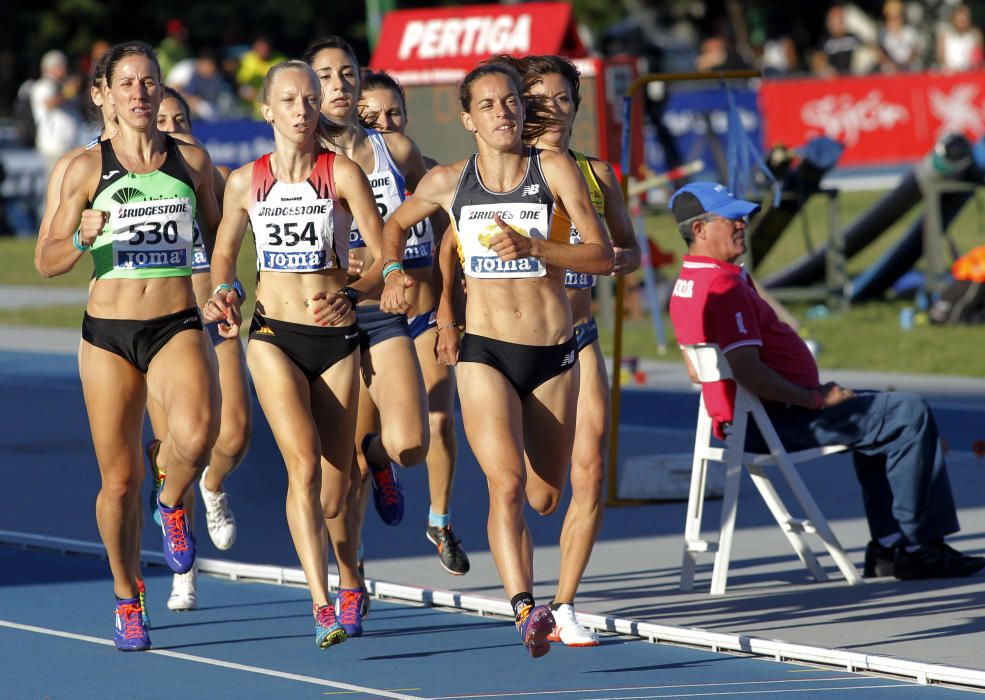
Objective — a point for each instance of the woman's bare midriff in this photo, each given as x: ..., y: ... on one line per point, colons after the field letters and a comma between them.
x: 526, y: 311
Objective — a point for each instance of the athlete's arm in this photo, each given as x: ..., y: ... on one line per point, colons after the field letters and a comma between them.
x: 224, y: 305
x: 60, y: 254
x: 352, y: 186
x: 51, y: 202
x: 624, y: 244
x: 432, y: 194
x: 447, y: 341
x: 570, y: 191
x: 407, y: 157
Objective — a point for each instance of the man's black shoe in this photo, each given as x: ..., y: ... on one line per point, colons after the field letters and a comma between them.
x: 934, y: 560
x: 879, y: 560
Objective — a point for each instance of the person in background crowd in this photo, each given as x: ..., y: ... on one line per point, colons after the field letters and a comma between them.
x: 839, y: 45
x: 959, y: 43
x: 174, y: 46
x: 253, y: 67
x: 55, y: 108
x: 900, y: 45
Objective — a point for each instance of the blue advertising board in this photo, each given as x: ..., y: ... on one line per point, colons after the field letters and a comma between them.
x: 235, y: 142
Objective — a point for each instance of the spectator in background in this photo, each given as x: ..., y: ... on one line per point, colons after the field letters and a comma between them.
x: 253, y: 67
x: 55, y: 108
x: 202, y: 85
x: 900, y: 45
x: 718, y: 53
x: 839, y: 45
x: 779, y: 54
x: 173, y: 47
x: 959, y: 43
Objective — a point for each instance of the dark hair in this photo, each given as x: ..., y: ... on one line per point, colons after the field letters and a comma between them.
x: 327, y: 131
x: 171, y: 92
x: 333, y: 41
x: 537, y: 115
x: 129, y: 48
x: 90, y: 112
x: 494, y: 66
x: 381, y: 80
x: 533, y: 69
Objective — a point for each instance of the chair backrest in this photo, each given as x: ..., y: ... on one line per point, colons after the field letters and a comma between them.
x: 708, y: 361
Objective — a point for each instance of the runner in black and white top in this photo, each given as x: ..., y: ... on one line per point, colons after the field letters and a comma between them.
x: 302, y: 354
x: 517, y: 367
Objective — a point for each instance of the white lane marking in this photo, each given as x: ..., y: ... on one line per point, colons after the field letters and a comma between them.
x: 756, y: 692
x: 829, y: 679
x: 214, y: 662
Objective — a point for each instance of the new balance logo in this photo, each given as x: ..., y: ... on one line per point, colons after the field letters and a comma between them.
x: 110, y: 174
x: 530, y: 190
x: 569, y: 359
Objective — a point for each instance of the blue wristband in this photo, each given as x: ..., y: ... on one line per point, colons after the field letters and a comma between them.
x: 77, y: 242
x: 392, y: 267
x: 238, y: 288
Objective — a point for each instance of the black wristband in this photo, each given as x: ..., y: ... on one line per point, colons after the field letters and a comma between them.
x: 351, y: 294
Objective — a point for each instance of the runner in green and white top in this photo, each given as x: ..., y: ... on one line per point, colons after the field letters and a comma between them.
x: 131, y: 202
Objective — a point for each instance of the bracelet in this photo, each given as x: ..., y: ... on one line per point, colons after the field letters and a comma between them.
x: 238, y: 288
x: 392, y: 267
x: 818, y: 399
x: 77, y: 242
x: 224, y: 287
x: 447, y: 325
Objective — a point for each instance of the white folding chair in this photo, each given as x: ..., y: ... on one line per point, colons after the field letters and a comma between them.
x: 711, y: 365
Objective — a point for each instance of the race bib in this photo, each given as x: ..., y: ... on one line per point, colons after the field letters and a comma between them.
x: 476, y: 229
x: 577, y: 280
x: 388, y: 197
x: 200, y: 257
x: 419, y: 251
x: 294, y: 237
x: 153, y: 234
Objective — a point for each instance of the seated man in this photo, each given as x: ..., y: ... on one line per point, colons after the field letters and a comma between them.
x: 892, y: 435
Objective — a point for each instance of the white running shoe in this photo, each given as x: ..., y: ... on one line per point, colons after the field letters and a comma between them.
x: 183, y: 592
x: 569, y: 632
x: 218, y: 515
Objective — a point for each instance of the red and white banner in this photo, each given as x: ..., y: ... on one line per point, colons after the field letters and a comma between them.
x: 441, y: 44
x: 880, y: 119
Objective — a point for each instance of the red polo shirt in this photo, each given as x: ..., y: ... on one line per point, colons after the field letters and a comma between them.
x: 716, y: 302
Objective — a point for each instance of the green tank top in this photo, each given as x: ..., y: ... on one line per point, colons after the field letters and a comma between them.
x: 151, y: 219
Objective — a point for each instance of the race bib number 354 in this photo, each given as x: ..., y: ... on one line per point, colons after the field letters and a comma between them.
x: 153, y: 234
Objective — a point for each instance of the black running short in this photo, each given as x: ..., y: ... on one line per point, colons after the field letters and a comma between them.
x: 138, y: 342
x: 525, y: 366
x: 312, y: 348
x: 375, y: 326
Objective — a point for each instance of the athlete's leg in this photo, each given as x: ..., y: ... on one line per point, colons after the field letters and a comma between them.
x: 439, y: 383
x: 393, y: 375
x: 182, y: 377
x: 492, y: 417
x: 285, y: 398
x: 115, y: 395
x: 584, y: 517
x: 367, y: 421
x: 235, y: 425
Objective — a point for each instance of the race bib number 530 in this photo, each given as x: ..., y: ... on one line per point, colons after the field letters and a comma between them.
x: 152, y: 234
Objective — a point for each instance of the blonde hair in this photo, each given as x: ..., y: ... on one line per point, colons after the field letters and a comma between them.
x: 327, y: 131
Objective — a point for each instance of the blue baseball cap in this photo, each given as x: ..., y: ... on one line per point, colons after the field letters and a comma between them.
x: 699, y: 198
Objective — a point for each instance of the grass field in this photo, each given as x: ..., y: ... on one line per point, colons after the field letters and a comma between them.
x: 866, y: 337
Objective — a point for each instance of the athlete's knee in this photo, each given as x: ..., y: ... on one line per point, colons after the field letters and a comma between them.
x: 233, y: 440
x: 407, y: 449
x: 442, y: 427
x: 507, y: 491
x: 332, y: 505
x: 545, y: 500
x: 587, y: 477
x: 120, y: 487
x: 303, y: 472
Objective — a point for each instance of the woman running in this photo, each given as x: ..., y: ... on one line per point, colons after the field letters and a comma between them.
x: 553, y: 83
x: 517, y: 365
x: 132, y: 203
x: 174, y: 117
x: 382, y: 107
x: 391, y: 374
x: 300, y: 201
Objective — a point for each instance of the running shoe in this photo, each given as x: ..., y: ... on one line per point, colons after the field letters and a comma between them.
x: 569, y: 632
x: 218, y: 515
x: 130, y: 633
x: 183, y: 596
x: 535, y: 625
x: 142, y: 597
x: 349, y: 609
x: 157, y: 477
x: 453, y: 558
x: 388, y: 495
x: 328, y: 631
x: 179, y: 541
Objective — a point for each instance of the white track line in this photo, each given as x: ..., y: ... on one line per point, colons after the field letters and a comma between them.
x: 214, y: 662
x: 850, y: 661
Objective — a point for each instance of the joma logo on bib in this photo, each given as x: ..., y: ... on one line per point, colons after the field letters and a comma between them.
x: 293, y: 261
x: 480, y: 264
x: 133, y: 259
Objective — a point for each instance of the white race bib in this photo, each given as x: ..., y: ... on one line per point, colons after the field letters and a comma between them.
x: 294, y: 237
x: 152, y: 234
x: 476, y: 229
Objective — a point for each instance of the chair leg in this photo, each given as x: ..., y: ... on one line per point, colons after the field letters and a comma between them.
x: 730, y: 502
x: 696, y: 499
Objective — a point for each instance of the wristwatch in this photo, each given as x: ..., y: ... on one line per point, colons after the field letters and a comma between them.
x: 351, y: 294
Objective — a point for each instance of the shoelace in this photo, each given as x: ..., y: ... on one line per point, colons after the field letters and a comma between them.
x: 349, y: 613
x: 385, y: 481
x: 174, y: 522
x: 325, y: 615
x: 218, y: 514
x: 129, y: 613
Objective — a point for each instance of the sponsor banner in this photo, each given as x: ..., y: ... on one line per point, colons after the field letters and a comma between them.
x: 437, y: 43
x: 235, y: 142
x: 697, y: 122
x: 879, y: 119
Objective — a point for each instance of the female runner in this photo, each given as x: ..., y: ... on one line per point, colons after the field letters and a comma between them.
x: 517, y: 366
x: 300, y: 201
x: 382, y: 107
x: 554, y: 84
x: 131, y: 203
x: 174, y: 117
x: 391, y: 374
